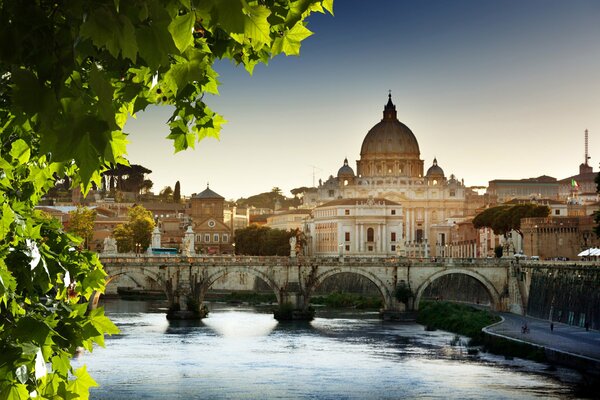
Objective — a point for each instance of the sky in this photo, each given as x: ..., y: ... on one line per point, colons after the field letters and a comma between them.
x: 498, y: 89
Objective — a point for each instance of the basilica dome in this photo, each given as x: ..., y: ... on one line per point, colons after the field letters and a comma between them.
x: 390, y: 136
x: 390, y: 149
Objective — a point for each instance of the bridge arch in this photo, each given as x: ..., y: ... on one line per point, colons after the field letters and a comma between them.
x: 132, y: 273
x: 489, y: 286
x: 381, y: 286
x: 221, y: 272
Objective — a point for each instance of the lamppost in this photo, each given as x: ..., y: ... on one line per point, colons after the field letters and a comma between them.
x: 138, y: 248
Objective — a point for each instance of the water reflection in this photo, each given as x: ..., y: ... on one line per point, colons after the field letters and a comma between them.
x: 240, y: 324
x: 243, y: 353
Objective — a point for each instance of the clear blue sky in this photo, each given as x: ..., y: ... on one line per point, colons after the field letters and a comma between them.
x: 493, y: 89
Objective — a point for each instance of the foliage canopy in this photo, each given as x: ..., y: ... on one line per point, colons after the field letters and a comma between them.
x: 137, y: 231
x: 505, y: 218
x: 71, y: 74
x: 81, y: 223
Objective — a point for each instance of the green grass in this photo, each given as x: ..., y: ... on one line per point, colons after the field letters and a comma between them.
x: 347, y: 300
x: 469, y: 321
x: 457, y: 318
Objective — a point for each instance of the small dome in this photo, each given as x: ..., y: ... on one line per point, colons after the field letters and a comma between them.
x: 435, y: 170
x: 346, y: 170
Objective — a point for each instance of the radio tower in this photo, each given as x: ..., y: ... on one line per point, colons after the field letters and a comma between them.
x: 587, y: 157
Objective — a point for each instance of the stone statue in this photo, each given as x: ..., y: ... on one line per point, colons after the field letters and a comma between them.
x: 156, y: 237
x: 109, y: 245
x: 293, y: 246
x: 188, y: 244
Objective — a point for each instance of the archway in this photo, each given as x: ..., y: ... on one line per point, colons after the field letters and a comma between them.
x: 489, y: 287
x: 136, y: 275
x: 347, y: 289
x: 222, y: 272
x: 381, y: 286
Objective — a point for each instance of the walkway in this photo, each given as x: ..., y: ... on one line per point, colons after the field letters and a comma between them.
x: 564, y: 338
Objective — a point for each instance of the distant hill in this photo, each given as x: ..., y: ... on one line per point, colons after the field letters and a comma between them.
x: 268, y: 200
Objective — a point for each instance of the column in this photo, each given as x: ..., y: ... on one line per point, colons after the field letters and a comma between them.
x: 356, y: 241
x: 385, y: 241
x: 426, y: 227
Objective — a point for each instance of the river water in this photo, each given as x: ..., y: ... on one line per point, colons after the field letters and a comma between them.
x: 243, y: 353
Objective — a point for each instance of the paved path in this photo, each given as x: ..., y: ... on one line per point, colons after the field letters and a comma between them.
x: 565, y: 338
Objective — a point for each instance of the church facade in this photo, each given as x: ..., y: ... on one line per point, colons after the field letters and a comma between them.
x: 390, y: 168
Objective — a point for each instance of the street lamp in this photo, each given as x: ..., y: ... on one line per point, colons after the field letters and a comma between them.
x: 138, y: 248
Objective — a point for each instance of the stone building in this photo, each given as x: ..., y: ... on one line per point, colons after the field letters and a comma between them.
x: 558, y: 237
x: 288, y: 219
x: 213, y: 236
x: 390, y: 168
x: 356, y: 226
x: 507, y: 189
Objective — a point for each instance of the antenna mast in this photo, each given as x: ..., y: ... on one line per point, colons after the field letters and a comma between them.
x: 587, y: 157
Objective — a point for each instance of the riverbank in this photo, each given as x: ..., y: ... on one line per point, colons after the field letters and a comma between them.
x: 564, y: 345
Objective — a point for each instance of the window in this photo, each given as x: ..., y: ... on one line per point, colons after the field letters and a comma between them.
x: 370, y: 248
x: 393, y: 212
x: 207, y: 238
x: 347, y: 236
x: 225, y: 238
x: 556, y: 212
x: 452, y: 193
x: 393, y: 247
x: 216, y: 238
x: 346, y: 212
x: 419, y: 237
x: 370, y: 235
x: 393, y: 238
x: 347, y: 247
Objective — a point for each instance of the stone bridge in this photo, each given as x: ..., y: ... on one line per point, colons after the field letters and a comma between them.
x: 294, y: 280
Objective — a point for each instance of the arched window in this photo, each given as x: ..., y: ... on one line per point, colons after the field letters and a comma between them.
x: 370, y: 235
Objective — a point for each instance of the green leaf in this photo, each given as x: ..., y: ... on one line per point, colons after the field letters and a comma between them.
x: 81, y: 385
x: 256, y: 26
x: 182, y: 28
x: 230, y: 15
x: 61, y: 364
x: 292, y: 38
x: 328, y: 5
x: 22, y: 374
x: 8, y: 217
x: 16, y: 391
x: 20, y: 151
x: 102, y: 323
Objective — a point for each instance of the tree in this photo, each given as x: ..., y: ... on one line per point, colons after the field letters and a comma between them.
x: 177, y: 193
x: 71, y: 74
x: 257, y: 240
x: 166, y: 194
x: 81, y: 223
x: 505, y: 218
x: 136, y: 234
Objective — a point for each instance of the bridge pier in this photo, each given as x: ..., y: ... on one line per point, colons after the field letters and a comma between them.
x: 186, y: 296
x: 294, y: 305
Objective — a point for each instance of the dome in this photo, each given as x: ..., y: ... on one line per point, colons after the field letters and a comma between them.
x: 346, y: 170
x: 390, y: 137
x: 435, y: 170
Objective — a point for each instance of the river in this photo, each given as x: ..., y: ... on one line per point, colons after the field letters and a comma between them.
x: 241, y: 352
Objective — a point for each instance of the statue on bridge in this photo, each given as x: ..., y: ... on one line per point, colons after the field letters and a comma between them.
x: 293, y: 246
x: 187, y: 247
x: 109, y: 245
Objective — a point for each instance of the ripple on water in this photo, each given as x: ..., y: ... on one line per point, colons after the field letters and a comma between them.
x: 241, y: 354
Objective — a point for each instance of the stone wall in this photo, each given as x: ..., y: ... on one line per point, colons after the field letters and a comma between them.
x: 570, y: 296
